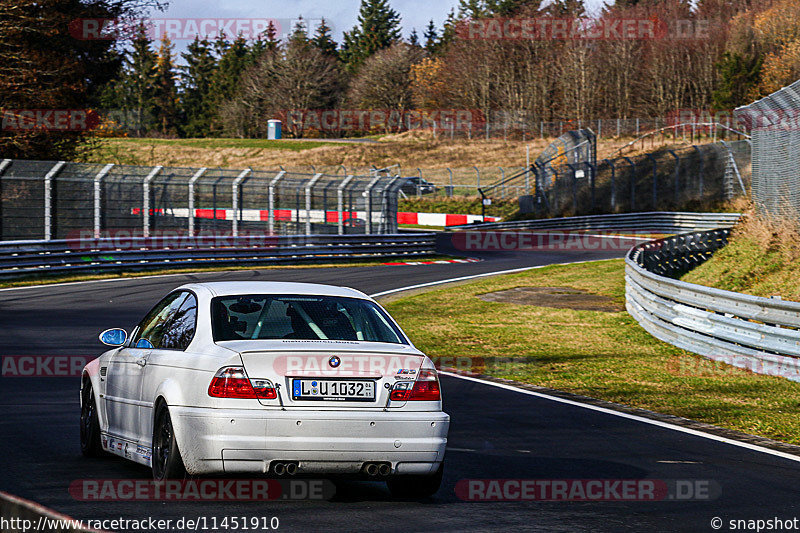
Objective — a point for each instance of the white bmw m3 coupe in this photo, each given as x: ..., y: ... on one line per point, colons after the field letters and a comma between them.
x: 268, y: 378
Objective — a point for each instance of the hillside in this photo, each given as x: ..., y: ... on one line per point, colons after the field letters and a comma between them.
x: 762, y: 259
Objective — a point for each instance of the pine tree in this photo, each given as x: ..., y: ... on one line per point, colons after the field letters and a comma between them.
x: 271, y: 34
x: 139, y: 80
x: 196, y: 83
x: 431, y: 37
x: 166, y: 90
x: 378, y: 28
x: 413, y: 39
x: 323, y: 40
x: 738, y: 76
x: 233, y: 59
x: 472, y: 9
x: 567, y: 8
x: 506, y: 8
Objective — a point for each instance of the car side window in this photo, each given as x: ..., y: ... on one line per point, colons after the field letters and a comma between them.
x: 179, y: 333
x: 151, y: 328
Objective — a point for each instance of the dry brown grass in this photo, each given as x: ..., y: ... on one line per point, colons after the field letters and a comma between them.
x: 411, y: 150
x: 762, y: 258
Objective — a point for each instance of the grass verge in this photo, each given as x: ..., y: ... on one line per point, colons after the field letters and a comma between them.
x: 762, y: 258
x: 604, y: 355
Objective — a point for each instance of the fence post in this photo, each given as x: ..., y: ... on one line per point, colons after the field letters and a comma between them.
x: 97, y: 180
x: 675, y: 177
x: 368, y: 194
x: 48, y: 199
x: 637, y: 127
x: 419, y: 183
x: 618, y: 128
x: 310, y: 186
x: 574, y: 189
x: 3, y: 166
x: 502, y: 182
x: 633, y: 182
x: 387, y: 225
x: 593, y: 169
x: 340, y: 201
x: 655, y: 180
x: 146, y: 200
x: 192, y: 181
x: 613, y: 184
x: 271, y: 200
x: 450, y: 191
x: 235, y: 198
x: 702, y: 169
x: 478, y: 173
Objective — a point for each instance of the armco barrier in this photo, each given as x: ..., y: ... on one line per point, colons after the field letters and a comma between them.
x: 653, y: 222
x: 25, y: 258
x: 759, y: 334
x: 22, y: 516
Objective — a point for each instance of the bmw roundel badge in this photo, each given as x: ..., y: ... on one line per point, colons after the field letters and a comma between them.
x: 334, y: 361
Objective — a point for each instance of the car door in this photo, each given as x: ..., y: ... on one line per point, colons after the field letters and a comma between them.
x: 168, y: 359
x: 126, y: 368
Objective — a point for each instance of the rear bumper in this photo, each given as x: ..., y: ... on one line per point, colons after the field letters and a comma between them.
x: 324, y: 442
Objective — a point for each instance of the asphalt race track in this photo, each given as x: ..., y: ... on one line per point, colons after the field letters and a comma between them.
x: 495, y: 433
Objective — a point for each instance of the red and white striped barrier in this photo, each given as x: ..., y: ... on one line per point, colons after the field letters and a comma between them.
x: 318, y: 215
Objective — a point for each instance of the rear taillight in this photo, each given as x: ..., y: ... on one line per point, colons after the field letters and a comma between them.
x: 232, y: 382
x: 425, y: 388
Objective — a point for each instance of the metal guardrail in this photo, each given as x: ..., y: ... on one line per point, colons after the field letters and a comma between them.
x: 653, y: 222
x: 756, y: 333
x: 25, y: 258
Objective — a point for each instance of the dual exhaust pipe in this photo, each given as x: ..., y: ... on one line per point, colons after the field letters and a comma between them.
x: 377, y: 469
x: 284, y: 469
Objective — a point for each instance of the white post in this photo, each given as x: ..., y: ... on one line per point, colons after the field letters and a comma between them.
x: 340, y: 201
x: 368, y: 195
x: 48, y: 199
x: 146, y: 200
x: 197, y: 176
x: 97, y: 180
x: 271, y: 206
x: 310, y: 186
x: 3, y: 166
x: 235, y: 197
x: 528, y: 169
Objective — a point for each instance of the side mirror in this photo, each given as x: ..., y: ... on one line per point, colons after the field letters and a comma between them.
x: 114, y: 337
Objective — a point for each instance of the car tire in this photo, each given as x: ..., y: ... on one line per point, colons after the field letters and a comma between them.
x: 411, y: 487
x: 90, y: 424
x: 166, y: 460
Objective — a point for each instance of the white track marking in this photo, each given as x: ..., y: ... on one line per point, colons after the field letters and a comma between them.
x: 476, y: 276
x: 636, y: 418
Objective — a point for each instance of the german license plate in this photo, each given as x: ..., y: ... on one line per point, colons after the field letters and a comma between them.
x: 354, y: 390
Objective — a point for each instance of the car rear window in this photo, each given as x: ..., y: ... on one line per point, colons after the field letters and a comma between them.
x: 261, y: 316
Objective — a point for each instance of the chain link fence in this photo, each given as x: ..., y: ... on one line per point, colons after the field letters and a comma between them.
x: 775, y: 128
x: 691, y: 178
x: 61, y: 200
x: 507, y: 125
